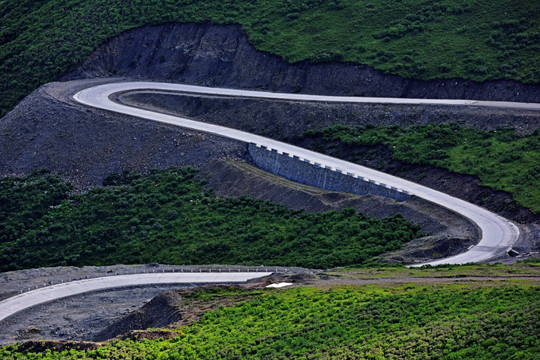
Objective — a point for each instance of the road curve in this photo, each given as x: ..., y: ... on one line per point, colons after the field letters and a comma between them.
x: 203, y: 90
x: 497, y: 233
x: 23, y: 301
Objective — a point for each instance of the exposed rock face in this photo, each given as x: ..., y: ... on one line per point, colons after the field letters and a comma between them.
x: 160, y: 311
x: 219, y: 55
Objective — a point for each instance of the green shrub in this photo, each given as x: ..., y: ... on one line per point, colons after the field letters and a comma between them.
x: 41, y: 40
x: 168, y: 217
x: 502, y: 159
x: 403, y: 322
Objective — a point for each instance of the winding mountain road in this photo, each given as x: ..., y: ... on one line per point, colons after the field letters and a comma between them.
x: 497, y: 234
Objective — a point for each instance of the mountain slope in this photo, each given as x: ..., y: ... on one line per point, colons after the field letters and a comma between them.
x: 416, y: 39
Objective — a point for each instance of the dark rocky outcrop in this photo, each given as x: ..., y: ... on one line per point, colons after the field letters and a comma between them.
x: 218, y: 55
x: 160, y: 311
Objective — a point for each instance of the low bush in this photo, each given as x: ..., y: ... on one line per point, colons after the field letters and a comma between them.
x: 168, y: 217
x: 502, y: 159
x: 374, y: 322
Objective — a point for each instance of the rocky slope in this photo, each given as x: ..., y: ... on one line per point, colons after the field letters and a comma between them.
x: 219, y: 55
x: 46, y: 131
x: 49, y: 131
x: 83, y: 145
x: 287, y: 121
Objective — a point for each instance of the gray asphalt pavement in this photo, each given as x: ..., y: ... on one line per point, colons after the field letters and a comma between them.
x: 25, y: 300
x: 497, y: 233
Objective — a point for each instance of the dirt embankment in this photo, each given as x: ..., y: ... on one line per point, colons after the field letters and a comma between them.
x: 287, y: 121
x: 283, y: 119
x: 218, y: 55
x: 85, y: 145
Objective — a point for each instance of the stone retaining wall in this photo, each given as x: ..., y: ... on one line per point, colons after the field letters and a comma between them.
x: 309, y: 173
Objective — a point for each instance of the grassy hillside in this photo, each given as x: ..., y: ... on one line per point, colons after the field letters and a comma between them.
x: 481, y: 39
x: 168, y: 217
x: 502, y: 159
x: 412, y: 321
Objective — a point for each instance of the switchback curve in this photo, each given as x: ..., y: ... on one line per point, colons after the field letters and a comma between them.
x: 497, y: 233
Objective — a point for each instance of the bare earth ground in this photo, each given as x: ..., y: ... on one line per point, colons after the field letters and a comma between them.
x: 77, y: 317
x: 102, y: 315
x: 82, y: 316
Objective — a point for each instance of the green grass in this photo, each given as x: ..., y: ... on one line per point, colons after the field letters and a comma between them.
x: 502, y: 159
x: 168, y: 217
x: 42, y: 39
x: 523, y: 268
x: 409, y: 321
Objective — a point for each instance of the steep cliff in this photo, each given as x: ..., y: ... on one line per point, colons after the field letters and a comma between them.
x: 219, y: 55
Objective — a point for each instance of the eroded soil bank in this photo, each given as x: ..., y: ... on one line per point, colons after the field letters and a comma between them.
x: 218, y: 55
x: 288, y: 121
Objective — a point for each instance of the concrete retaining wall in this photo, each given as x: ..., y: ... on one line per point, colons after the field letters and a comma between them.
x: 305, y: 172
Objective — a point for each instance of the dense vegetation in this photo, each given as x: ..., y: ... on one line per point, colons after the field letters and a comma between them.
x: 168, y: 217
x: 502, y: 159
x: 481, y: 39
x: 524, y: 268
x: 372, y: 322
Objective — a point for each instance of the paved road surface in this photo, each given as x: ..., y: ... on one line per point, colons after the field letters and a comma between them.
x: 321, y: 98
x: 498, y: 234
x: 17, y: 303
